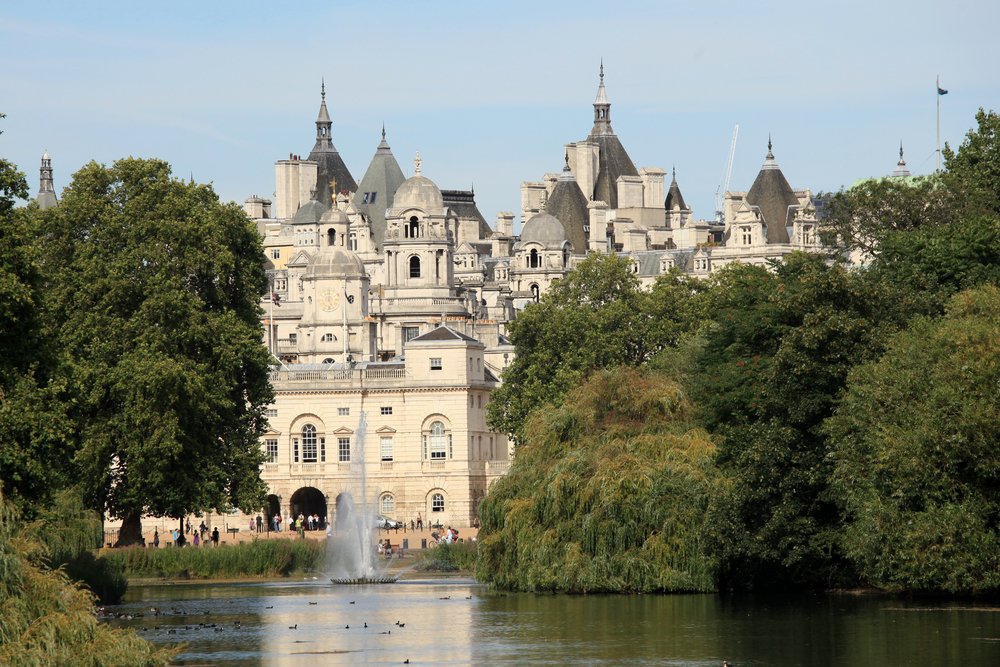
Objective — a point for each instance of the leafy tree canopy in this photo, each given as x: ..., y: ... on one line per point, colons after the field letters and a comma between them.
x: 915, y: 448
x: 151, y: 295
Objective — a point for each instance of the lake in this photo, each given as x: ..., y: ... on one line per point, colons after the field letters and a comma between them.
x: 458, y: 622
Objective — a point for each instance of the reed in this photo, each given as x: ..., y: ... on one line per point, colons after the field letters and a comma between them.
x: 259, y: 558
x: 454, y: 557
x: 607, y: 493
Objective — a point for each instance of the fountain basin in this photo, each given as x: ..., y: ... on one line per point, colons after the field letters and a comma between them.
x: 361, y: 581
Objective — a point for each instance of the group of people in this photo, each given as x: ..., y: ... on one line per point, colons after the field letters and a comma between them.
x: 449, y: 536
x: 385, y: 549
x: 300, y: 523
x: 180, y: 538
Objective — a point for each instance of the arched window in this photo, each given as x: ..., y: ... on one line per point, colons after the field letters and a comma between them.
x: 534, y: 291
x: 331, y: 236
x: 437, y: 503
x: 387, y: 505
x: 412, y: 229
x: 309, y: 443
x: 328, y: 338
x: 329, y: 360
x: 533, y: 260
x: 438, y: 442
x: 414, y: 267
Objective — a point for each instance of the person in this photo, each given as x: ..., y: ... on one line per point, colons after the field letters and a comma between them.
x: 156, y: 538
x: 413, y: 524
x: 277, y: 522
x: 196, y: 538
x: 215, y: 536
x: 260, y: 523
x: 310, y: 521
x: 174, y: 534
x: 420, y: 522
x: 251, y: 524
x: 203, y: 529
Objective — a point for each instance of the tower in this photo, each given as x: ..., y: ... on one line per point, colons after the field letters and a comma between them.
x: 332, y: 175
x: 46, y: 192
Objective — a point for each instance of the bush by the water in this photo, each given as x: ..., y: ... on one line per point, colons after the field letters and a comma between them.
x: 259, y: 558
x: 608, y: 493
x: 46, y: 619
x: 454, y: 557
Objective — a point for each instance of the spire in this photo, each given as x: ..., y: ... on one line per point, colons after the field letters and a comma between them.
x: 383, y: 146
x: 46, y: 192
x: 602, y: 108
x: 567, y: 173
x: 769, y: 161
x: 323, y: 123
x: 416, y: 164
x: 901, y: 170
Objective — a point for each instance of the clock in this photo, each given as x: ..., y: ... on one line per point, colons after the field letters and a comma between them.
x: 329, y: 300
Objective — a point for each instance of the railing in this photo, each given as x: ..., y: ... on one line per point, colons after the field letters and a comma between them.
x: 433, y: 465
x: 497, y: 467
x: 413, y: 301
x: 338, y: 375
x: 386, y: 465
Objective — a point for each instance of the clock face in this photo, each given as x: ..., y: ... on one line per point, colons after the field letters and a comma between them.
x: 329, y: 300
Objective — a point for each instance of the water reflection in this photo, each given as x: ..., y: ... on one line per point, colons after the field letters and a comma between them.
x: 457, y: 622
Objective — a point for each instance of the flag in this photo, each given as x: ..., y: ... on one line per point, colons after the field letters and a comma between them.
x: 942, y: 91
x: 276, y: 298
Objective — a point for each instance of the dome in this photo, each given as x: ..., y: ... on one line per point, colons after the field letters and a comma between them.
x: 418, y: 192
x: 545, y: 229
x: 309, y: 213
x: 335, y: 216
x: 333, y: 262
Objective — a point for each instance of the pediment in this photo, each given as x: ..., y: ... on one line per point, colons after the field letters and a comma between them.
x: 386, y: 429
x: 343, y: 430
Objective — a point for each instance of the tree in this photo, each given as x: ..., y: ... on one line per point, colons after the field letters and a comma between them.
x: 915, y: 451
x: 596, y: 317
x: 607, y: 494
x: 774, y: 360
x: 974, y: 170
x: 151, y: 296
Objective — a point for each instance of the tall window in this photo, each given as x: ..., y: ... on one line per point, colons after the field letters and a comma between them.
x: 344, y: 450
x: 438, y: 441
x: 409, y: 333
x: 385, y: 447
x: 387, y: 504
x: 747, y: 236
x: 271, y: 449
x: 437, y: 503
x: 309, y: 444
x: 414, y: 267
x: 533, y: 260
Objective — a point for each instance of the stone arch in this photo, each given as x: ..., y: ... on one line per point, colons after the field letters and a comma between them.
x: 307, y: 500
x: 413, y: 266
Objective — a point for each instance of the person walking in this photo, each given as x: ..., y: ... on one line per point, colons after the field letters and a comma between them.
x: 156, y: 538
x: 260, y: 523
x: 215, y: 536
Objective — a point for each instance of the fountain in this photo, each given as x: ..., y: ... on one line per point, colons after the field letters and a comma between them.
x: 352, y: 556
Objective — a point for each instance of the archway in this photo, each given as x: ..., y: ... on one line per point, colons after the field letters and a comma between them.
x: 308, y: 501
x: 272, y: 506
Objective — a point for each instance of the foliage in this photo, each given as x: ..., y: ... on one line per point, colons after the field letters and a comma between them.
x: 915, y: 447
x: 774, y: 361
x: 259, y: 558
x: 596, y: 317
x: 454, y: 557
x: 151, y: 296
x: 607, y: 493
x: 975, y: 169
x: 47, y: 620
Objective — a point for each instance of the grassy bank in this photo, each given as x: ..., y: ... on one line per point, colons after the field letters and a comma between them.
x: 260, y: 558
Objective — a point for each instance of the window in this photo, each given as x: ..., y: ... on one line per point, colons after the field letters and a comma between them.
x: 275, y: 253
x: 747, y: 236
x: 281, y: 284
x: 371, y: 200
x: 438, y: 442
x: 435, y: 363
x: 343, y: 412
x: 271, y: 449
x: 414, y: 267
x: 387, y: 505
x: 437, y: 503
x: 533, y: 260
x: 329, y: 360
x: 479, y: 401
x: 322, y: 450
x: 344, y: 450
x: 327, y: 338
x: 295, y: 450
x: 271, y: 412
x: 309, y: 444
x: 409, y: 333
x: 385, y: 410
x: 385, y: 447
x: 292, y: 337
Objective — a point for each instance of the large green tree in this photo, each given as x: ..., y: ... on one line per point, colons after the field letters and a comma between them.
x: 915, y: 446
x: 974, y: 170
x: 151, y: 296
x: 596, y: 317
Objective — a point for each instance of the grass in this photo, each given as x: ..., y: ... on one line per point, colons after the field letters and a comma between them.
x: 260, y: 558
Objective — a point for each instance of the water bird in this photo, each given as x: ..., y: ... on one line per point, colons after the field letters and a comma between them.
x: 293, y: 627
x: 271, y: 607
x: 447, y: 597
x: 387, y: 632
x: 314, y: 603
x: 352, y: 601
x: 406, y: 662
x: 468, y: 597
x: 366, y: 624
x: 347, y: 627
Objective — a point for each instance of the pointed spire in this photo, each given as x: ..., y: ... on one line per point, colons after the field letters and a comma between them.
x: 769, y: 161
x: 602, y: 108
x: 901, y: 170
x: 416, y: 164
x: 46, y: 190
x: 383, y: 131
x: 322, y: 89
x: 567, y: 173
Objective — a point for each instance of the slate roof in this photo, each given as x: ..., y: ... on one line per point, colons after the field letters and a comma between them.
x: 383, y: 178
x: 330, y: 166
x: 674, y: 197
x: 463, y: 203
x: 772, y: 195
x: 568, y: 204
x: 443, y: 333
x: 613, y: 162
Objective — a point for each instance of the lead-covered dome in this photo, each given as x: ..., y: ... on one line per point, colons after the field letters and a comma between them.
x: 418, y: 192
x: 545, y: 229
x: 334, y: 262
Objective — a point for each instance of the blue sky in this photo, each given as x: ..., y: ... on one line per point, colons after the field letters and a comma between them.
x: 489, y: 94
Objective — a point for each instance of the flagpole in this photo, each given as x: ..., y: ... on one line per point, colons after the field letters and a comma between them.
x: 937, y: 94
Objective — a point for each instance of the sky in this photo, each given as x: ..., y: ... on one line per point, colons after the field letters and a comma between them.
x: 489, y: 93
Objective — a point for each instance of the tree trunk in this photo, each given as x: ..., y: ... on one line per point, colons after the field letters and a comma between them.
x: 131, y: 530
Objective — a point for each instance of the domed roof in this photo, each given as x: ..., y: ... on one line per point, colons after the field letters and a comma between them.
x: 545, y: 229
x: 418, y: 192
x: 334, y: 262
x: 309, y: 213
x: 336, y: 216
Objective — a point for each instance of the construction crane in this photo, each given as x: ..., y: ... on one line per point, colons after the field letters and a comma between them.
x: 720, y: 192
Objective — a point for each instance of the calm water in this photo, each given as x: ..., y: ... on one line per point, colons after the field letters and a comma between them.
x: 457, y: 622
